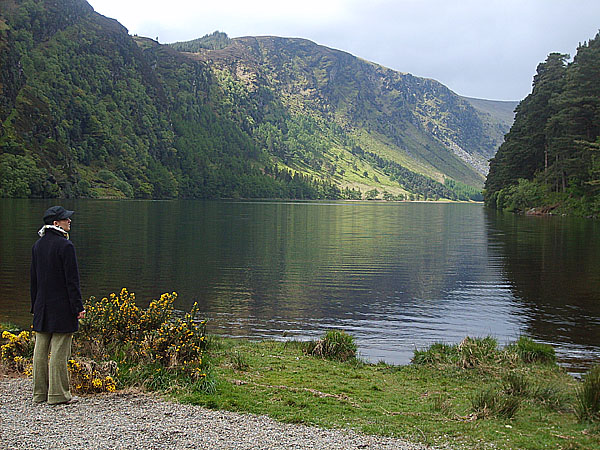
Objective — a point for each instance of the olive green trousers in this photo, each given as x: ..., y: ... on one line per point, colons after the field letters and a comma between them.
x: 50, y: 372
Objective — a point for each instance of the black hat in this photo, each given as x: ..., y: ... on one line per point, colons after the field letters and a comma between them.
x: 56, y: 213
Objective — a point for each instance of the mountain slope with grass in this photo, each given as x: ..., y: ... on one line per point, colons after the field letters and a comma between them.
x: 413, y: 121
x: 89, y: 111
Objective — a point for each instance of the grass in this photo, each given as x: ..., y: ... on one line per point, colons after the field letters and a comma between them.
x: 336, y: 345
x: 489, y: 402
x: 531, y: 351
x: 587, y: 406
x: 439, y: 403
x: 473, y: 395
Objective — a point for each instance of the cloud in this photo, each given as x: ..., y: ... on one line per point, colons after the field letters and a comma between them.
x: 478, y: 48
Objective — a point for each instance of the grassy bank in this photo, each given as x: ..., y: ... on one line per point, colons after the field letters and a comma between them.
x: 474, y: 395
x: 496, y: 402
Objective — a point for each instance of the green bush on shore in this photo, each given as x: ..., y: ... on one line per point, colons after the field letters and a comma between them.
x: 336, y: 344
x: 471, y: 352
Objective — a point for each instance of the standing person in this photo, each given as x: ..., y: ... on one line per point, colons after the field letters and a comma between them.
x: 56, y: 306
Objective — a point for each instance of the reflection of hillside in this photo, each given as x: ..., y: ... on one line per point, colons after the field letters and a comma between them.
x: 19, y: 222
x: 270, y: 260
x: 553, y: 265
x: 301, y: 259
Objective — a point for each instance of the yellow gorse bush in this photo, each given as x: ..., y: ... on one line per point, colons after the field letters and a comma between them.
x: 151, y: 336
x: 16, y: 345
x: 118, y: 317
x: 17, y: 350
x: 117, y: 332
x: 112, y: 317
x: 158, y: 312
x: 88, y: 376
x: 178, y: 343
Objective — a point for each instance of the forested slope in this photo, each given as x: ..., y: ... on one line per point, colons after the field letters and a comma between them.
x: 89, y: 111
x: 551, y: 156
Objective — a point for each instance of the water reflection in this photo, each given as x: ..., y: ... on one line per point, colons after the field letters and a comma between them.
x: 553, y: 266
x: 397, y: 276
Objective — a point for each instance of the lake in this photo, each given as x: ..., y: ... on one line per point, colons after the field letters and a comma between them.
x: 397, y: 276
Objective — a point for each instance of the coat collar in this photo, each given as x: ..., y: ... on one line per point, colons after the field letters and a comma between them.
x: 60, y: 231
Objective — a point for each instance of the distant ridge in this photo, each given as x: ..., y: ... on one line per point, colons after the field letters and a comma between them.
x: 502, y: 110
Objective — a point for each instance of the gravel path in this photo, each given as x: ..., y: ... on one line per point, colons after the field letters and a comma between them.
x: 144, y: 422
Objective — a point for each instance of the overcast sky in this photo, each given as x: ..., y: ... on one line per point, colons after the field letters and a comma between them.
x: 478, y: 48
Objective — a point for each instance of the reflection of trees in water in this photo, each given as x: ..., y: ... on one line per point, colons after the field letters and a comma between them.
x: 553, y: 264
x: 309, y: 260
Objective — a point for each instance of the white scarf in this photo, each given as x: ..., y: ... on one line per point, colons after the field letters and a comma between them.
x: 43, y: 230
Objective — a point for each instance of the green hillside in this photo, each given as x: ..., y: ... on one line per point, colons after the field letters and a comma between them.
x: 89, y: 111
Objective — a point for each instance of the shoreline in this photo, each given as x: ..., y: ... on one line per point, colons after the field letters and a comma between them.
x: 135, y: 420
x: 273, y: 395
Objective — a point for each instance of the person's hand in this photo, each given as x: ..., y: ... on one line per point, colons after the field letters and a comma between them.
x: 81, y: 315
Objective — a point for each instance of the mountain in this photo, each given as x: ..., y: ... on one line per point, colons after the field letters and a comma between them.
x: 550, y: 159
x: 502, y: 111
x: 89, y: 111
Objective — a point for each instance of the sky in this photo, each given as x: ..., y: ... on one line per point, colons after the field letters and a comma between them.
x: 478, y: 48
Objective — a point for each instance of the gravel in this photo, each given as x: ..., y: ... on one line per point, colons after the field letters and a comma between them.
x: 145, y: 422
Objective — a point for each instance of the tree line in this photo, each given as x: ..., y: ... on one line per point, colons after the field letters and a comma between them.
x: 551, y: 156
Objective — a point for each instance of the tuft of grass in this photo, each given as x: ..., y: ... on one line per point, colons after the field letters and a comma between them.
x: 206, y: 385
x: 535, y: 352
x: 239, y: 361
x: 474, y: 352
x: 514, y: 383
x: 438, y: 353
x: 470, y: 353
x: 551, y: 395
x: 491, y: 402
x: 587, y: 397
x: 441, y: 404
x: 508, y: 406
x: 336, y: 345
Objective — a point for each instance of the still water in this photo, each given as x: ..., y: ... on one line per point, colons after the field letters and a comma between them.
x: 397, y: 276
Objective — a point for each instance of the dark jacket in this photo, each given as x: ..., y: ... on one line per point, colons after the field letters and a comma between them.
x: 55, y: 292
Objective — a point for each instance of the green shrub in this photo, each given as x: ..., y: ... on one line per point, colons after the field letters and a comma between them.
x: 531, y: 351
x: 335, y: 344
x: 524, y: 195
x: 587, y: 397
x: 508, y: 406
x: 440, y: 404
x: 484, y: 402
x: 20, y: 177
x: 124, y: 187
x: 471, y: 352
